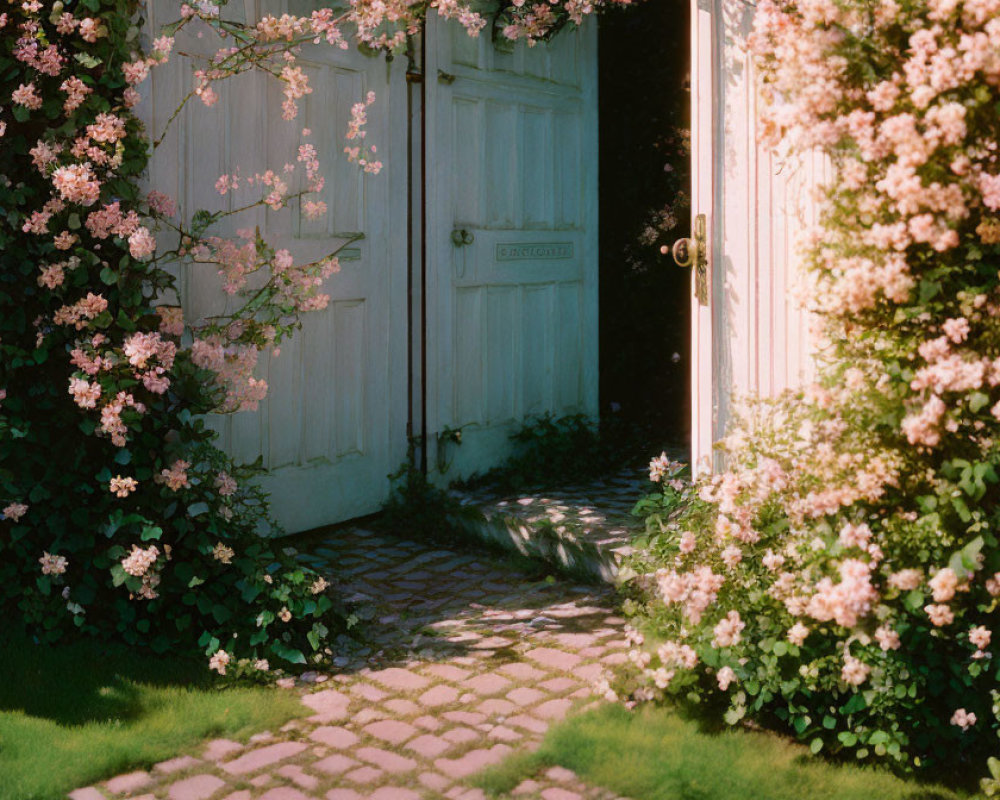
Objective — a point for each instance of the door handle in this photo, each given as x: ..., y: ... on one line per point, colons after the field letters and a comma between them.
x: 460, y: 237
x: 693, y: 252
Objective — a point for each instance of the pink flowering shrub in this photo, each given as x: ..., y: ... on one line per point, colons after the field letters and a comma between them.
x: 841, y: 575
x: 119, y: 515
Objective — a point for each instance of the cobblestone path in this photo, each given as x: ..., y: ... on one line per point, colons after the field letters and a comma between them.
x: 471, y: 662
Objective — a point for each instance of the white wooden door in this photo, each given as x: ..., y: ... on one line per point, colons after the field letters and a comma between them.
x: 511, y: 237
x: 333, y: 425
x: 750, y: 335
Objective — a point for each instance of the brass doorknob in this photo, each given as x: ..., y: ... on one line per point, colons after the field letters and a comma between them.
x: 684, y: 252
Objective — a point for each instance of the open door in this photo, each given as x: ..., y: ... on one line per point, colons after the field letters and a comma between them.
x: 749, y: 205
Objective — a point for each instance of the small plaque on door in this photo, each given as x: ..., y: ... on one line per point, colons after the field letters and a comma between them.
x: 533, y: 251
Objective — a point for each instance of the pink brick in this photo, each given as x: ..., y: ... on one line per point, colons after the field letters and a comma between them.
x: 589, y: 672
x: 428, y: 723
x: 87, y: 793
x: 557, y: 793
x: 284, y: 793
x: 504, y: 734
x: 428, y: 746
x: 329, y: 704
x: 529, y: 723
x: 525, y: 696
x: 368, y: 692
x: 487, y: 684
x: 298, y: 776
x: 460, y: 735
x: 496, y: 706
x: 591, y: 652
x: 394, y: 793
x: 448, y: 672
x: 129, y: 783
x: 265, y: 756
x: 342, y: 794
x: 335, y: 764
x: 525, y: 787
x: 401, y: 707
x: 438, y: 696
x: 391, y: 730
x: 556, y: 659
x: 558, y: 685
x: 522, y: 671
x: 243, y: 794
x: 364, y: 775
x: 472, y: 762
x: 433, y: 781
x: 366, y: 715
x: 197, y: 788
x: 468, y: 717
x: 176, y: 764
x: 383, y: 759
x: 218, y: 749
x: 396, y: 678
x: 261, y: 780
x: 614, y: 659
x: 576, y: 641
x: 334, y: 737
x: 554, y: 709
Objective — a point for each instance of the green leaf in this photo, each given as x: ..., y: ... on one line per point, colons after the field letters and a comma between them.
x: 118, y: 574
x: 123, y: 457
x: 151, y: 532
x: 109, y: 276
x: 290, y: 654
x: 815, y: 745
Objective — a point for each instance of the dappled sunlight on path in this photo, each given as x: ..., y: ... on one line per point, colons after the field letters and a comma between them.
x: 469, y: 660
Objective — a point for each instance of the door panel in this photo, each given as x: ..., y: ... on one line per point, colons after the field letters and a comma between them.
x: 512, y: 172
x: 752, y: 336
x: 333, y: 425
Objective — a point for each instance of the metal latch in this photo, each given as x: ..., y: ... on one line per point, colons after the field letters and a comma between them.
x: 694, y: 252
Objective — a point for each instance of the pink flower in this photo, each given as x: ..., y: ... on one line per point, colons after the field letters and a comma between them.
x: 176, y: 476
x: 944, y: 583
x: 225, y: 484
x: 980, y: 636
x: 85, y: 394
x: 940, y: 615
x: 77, y: 184
x: 171, y: 320
x: 727, y: 630
x: 219, y: 661
x: 887, y: 638
x: 906, y: 579
x: 26, y: 95
x: 725, y: 677
x: 122, y: 487
x: 854, y: 671
x: 52, y: 564
x: 797, y: 634
x: 138, y: 562
x: 963, y: 719
x: 141, y: 244
x: 15, y: 511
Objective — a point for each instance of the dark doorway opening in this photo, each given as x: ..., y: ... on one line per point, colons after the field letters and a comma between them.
x: 644, y: 207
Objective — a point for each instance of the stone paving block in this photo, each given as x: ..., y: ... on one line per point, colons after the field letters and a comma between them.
x: 553, y: 709
x: 402, y: 679
x: 460, y: 735
x: 438, y: 696
x: 198, y: 787
x: 334, y: 736
x: 529, y: 723
x: 559, y: 685
x: 402, y: 707
x: 448, y: 672
x: 243, y: 794
x: 560, y: 774
x: 394, y: 793
x: 129, y: 783
x: 218, y: 749
x: 335, y: 764
x: 429, y: 746
x: 558, y: 793
x: 364, y: 775
x: 467, y: 717
x: 589, y: 672
x: 505, y: 734
x: 391, y: 730
x: 263, y: 757
x: 554, y: 659
x: 366, y: 715
x: 176, y: 764
x: 473, y: 761
x: 298, y: 776
x: 428, y: 723
x: 342, y: 794
x: 522, y: 671
x: 385, y: 760
x: 261, y: 780
x: 496, y: 706
x: 329, y: 704
x: 488, y: 684
x: 525, y: 696
x: 368, y: 692
x: 434, y: 781
x: 284, y: 793
x: 86, y: 793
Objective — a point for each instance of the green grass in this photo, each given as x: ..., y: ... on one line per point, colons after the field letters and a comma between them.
x: 654, y: 754
x: 74, y: 714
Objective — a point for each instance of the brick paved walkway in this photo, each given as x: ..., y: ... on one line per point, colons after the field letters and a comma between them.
x: 471, y: 661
